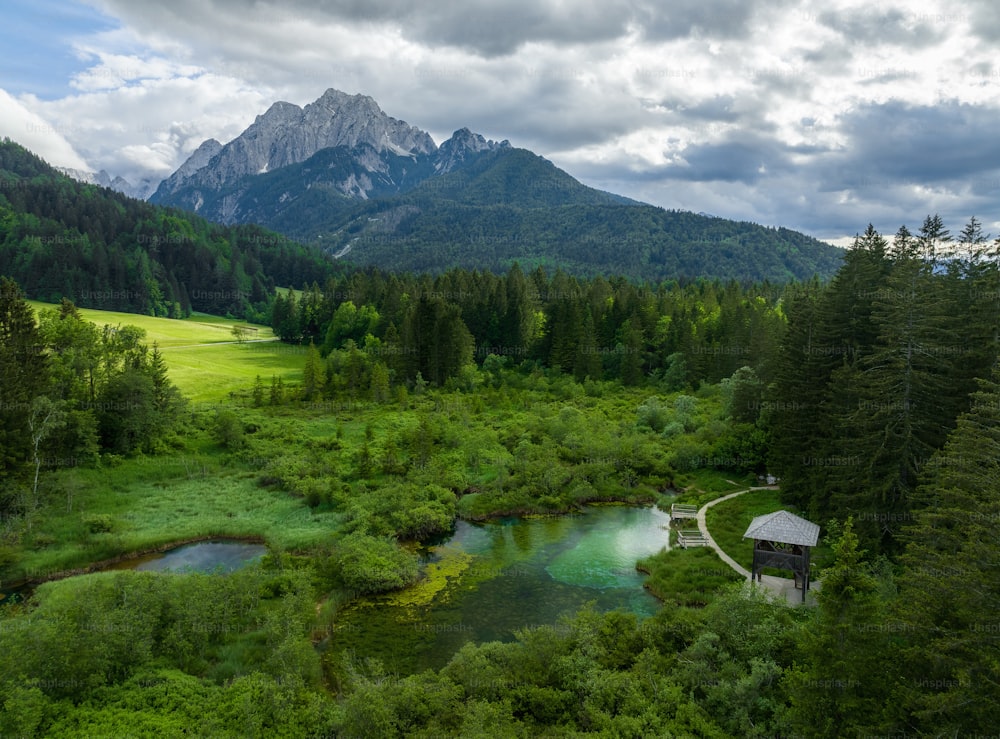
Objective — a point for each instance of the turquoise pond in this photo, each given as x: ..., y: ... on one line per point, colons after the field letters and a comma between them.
x: 490, y: 579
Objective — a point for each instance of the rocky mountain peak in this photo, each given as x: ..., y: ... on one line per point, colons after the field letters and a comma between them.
x: 287, y: 134
x: 462, y: 144
x: 198, y: 159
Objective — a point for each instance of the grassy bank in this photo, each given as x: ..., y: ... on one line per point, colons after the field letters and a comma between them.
x: 687, y: 577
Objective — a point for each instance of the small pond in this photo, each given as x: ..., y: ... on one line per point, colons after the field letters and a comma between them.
x: 489, y: 579
x: 202, y: 556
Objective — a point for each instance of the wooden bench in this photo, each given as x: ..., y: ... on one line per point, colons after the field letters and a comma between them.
x: 691, y: 539
x: 681, y: 511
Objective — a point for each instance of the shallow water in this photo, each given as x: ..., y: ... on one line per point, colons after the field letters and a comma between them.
x: 490, y: 579
x: 203, y: 556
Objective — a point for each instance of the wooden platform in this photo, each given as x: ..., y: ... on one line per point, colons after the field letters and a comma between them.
x: 691, y: 539
x: 680, y: 511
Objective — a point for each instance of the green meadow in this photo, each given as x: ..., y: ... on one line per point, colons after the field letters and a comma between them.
x: 205, y: 361
x: 196, y: 487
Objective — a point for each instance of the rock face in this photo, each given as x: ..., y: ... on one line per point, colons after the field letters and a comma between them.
x: 287, y: 134
x: 463, y: 144
x: 201, y: 157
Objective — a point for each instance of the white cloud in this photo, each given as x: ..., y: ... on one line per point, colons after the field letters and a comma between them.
x: 147, y: 128
x: 118, y: 70
x: 38, y: 134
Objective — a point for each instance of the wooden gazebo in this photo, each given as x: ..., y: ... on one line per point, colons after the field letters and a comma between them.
x: 782, y: 539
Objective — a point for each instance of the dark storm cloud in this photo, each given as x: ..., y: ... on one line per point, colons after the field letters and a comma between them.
x: 744, y: 161
x: 744, y: 157
x: 498, y: 28
x: 488, y: 28
x: 492, y: 27
x: 924, y: 145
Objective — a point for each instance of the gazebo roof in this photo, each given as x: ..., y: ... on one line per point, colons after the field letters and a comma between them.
x: 783, y: 527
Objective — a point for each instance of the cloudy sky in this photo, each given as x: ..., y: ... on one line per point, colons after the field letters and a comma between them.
x: 821, y: 117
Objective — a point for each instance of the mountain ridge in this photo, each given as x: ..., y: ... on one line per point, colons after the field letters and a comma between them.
x: 343, y: 174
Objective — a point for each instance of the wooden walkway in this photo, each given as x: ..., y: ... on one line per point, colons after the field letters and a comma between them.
x: 710, y: 542
x: 679, y: 513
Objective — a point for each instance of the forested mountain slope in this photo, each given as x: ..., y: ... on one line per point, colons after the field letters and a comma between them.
x: 61, y: 238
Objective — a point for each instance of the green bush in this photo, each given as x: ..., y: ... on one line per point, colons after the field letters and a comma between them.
x: 374, y: 565
x: 97, y: 523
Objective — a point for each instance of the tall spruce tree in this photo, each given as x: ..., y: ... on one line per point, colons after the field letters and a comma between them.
x: 982, y: 314
x: 905, y: 402
x: 949, y: 594
x: 849, y: 331
x: 792, y: 412
x: 840, y: 686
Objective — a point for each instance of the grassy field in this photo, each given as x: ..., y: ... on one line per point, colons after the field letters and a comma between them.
x: 728, y: 522
x: 205, y: 373
x: 200, y: 352
x: 148, y: 502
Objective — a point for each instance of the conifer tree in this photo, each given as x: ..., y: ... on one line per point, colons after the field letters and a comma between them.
x: 841, y: 686
x: 277, y: 394
x: 630, y: 350
x: 588, y: 355
x: 793, y: 414
x: 23, y: 377
x: 312, y: 373
x: 906, y: 401
x: 949, y: 594
x: 982, y: 311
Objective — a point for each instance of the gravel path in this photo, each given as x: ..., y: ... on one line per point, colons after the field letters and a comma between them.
x: 783, y: 587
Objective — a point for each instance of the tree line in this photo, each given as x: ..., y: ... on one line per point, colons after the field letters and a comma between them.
x: 432, y: 327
